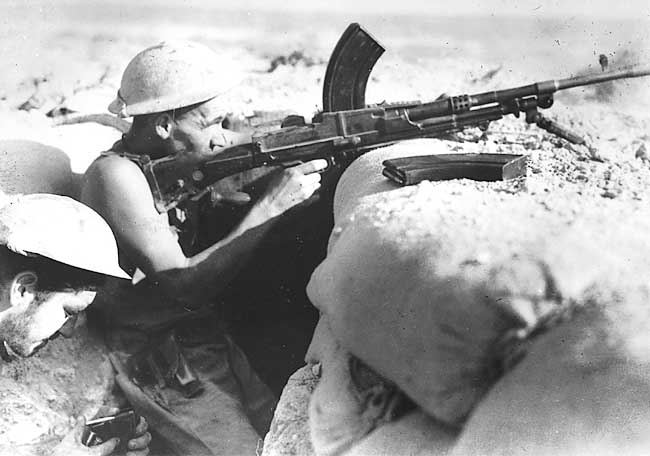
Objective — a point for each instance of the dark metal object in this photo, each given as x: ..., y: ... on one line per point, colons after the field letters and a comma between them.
x: 164, y: 364
x: 558, y: 130
x: 342, y: 135
x: 603, y: 61
x: 481, y: 167
x: 349, y: 67
x: 121, y: 425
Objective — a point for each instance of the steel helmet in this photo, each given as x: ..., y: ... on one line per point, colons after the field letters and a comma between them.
x: 61, y: 229
x: 171, y: 75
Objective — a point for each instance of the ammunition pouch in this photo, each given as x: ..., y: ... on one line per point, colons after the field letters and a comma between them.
x: 163, y: 365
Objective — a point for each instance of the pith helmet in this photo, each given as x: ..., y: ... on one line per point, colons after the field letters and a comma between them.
x: 61, y: 229
x: 171, y: 75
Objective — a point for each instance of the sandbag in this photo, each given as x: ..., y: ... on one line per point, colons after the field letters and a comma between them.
x: 435, y: 285
x: 582, y: 389
x: 414, y: 434
x: 31, y: 167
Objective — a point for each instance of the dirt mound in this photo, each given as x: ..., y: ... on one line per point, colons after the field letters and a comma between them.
x: 40, y: 396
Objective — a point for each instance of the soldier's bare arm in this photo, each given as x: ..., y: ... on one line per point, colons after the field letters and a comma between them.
x: 117, y: 189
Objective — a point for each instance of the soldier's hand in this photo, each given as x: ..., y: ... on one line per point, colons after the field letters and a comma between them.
x: 139, y: 444
x: 293, y: 186
x: 72, y: 445
x: 232, y: 198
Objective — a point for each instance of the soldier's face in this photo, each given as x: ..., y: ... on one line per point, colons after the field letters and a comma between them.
x: 199, y: 133
x: 30, y: 315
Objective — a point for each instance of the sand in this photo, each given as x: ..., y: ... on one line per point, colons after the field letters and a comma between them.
x: 70, y: 55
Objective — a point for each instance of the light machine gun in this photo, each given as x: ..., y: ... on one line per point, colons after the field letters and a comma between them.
x: 347, y: 128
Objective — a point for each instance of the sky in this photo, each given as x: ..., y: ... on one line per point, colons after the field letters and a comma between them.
x: 554, y: 8
x: 599, y: 8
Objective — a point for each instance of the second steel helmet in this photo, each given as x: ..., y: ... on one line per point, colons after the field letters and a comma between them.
x: 61, y: 229
x: 171, y: 75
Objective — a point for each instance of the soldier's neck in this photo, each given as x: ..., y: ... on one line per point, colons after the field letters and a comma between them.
x: 140, y: 144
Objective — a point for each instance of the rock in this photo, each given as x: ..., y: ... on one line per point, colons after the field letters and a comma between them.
x: 289, y: 433
x: 641, y: 153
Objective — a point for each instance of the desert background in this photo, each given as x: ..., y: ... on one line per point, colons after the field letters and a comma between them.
x: 68, y: 56
x: 72, y: 52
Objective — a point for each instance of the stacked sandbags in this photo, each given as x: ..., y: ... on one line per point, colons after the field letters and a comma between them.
x: 444, y: 287
x: 582, y: 389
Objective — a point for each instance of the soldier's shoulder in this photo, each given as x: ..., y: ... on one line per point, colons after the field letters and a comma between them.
x: 113, y: 178
x: 112, y: 166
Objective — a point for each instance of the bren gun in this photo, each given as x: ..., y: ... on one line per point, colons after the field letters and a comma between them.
x: 347, y: 128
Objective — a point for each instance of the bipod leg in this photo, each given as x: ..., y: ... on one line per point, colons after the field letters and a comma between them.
x: 553, y: 127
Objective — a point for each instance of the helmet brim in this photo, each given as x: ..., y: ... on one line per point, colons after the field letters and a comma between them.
x: 163, y: 104
x: 117, y: 107
x: 110, y: 271
x: 61, y: 229
x: 116, y: 272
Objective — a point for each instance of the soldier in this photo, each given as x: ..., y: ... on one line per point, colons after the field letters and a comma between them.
x: 54, y: 254
x: 174, y: 358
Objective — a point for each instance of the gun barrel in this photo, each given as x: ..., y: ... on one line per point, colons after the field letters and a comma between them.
x: 463, y: 103
x: 578, y: 81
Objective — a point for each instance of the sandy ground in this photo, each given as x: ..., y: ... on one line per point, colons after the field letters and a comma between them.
x: 71, y: 54
x: 40, y: 396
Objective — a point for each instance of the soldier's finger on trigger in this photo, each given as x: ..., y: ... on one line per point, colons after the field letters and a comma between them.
x: 312, y: 179
x: 313, y: 166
